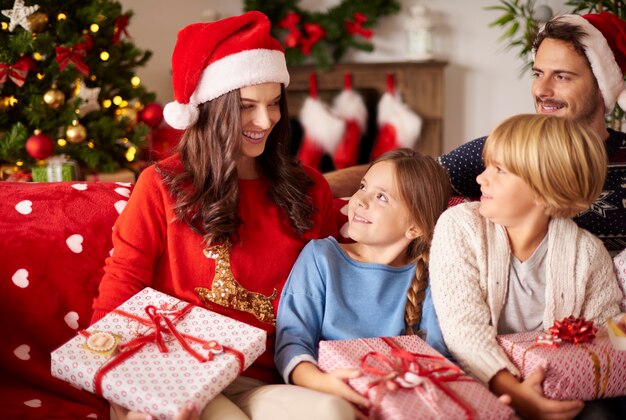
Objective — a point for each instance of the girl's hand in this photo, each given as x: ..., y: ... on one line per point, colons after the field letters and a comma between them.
x: 190, y: 412
x: 335, y: 383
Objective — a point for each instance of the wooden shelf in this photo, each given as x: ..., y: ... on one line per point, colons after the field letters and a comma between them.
x: 419, y: 83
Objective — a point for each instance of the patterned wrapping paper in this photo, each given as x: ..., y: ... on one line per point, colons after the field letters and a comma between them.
x: 586, y: 371
x: 155, y: 382
x: 459, y: 399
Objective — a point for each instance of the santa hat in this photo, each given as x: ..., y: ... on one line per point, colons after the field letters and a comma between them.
x: 605, y: 47
x: 214, y: 58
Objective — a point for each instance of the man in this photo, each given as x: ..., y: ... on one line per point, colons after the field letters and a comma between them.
x: 578, y: 73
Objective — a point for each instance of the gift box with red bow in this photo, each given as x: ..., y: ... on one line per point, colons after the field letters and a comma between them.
x: 155, y: 353
x: 579, y: 360
x: 405, y: 378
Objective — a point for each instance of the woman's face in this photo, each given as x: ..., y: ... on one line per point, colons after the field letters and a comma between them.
x: 260, y: 111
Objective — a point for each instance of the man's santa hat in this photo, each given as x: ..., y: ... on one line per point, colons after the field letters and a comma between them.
x: 605, y: 48
x: 214, y: 58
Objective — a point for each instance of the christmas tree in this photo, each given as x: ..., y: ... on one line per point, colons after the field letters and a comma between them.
x: 68, y: 85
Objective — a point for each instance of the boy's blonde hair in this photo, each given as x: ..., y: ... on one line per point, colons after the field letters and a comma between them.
x: 562, y: 161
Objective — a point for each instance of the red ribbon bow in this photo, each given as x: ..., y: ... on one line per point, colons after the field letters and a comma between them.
x: 162, y: 321
x: 16, y: 72
x: 574, y: 330
x: 75, y: 54
x: 120, y: 28
x: 315, y: 32
x: 356, y: 27
x: 402, y: 369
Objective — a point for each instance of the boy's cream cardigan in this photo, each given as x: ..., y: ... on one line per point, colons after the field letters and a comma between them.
x: 469, y: 271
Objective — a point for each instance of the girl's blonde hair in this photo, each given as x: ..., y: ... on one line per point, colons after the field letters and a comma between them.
x: 562, y: 161
x: 425, y: 189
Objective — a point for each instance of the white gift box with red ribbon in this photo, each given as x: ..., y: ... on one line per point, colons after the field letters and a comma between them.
x: 155, y: 353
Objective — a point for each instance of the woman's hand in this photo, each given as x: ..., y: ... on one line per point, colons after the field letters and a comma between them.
x: 190, y: 412
x: 527, y: 397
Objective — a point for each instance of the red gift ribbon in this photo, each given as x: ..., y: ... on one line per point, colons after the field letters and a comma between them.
x: 411, y: 370
x: 569, y: 330
x: 75, y: 54
x: 16, y: 72
x: 161, y: 322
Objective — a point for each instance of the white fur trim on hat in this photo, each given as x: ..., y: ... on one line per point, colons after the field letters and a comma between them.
x: 408, y: 125
x: 245, y: 68
x: 321, y: 125
x: 235, y: 71
x: 180, y: 116
x: 603, y: 65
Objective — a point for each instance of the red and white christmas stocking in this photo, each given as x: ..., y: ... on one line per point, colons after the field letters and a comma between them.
x: 398, y: 125
x: 322, y: 129
x: 349, y: 106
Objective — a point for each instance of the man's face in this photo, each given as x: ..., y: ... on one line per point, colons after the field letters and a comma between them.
x: 564, y: 85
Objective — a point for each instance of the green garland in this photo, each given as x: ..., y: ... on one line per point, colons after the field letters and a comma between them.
x: 323, y: 36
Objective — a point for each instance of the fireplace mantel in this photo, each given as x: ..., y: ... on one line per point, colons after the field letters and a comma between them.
x: 419, y: 83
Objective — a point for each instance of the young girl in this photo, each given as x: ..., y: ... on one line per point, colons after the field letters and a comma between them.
x: 224, y: 219
x: 515, y: 261
x: 370, y: 288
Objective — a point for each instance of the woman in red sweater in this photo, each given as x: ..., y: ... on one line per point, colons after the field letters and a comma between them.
x: 222, y: 221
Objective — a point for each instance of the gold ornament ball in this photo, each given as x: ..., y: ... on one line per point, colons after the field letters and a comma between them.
x: 128, y: 116
x: 38, y: 22
x: 54, y: 98
x: 76, y: 133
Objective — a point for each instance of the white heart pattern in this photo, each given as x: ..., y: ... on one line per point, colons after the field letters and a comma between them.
x: 75, y: 243
x: 79, y: 187
x: 33, y: 403
x: 22, y: 352
x: 24, y: 207
x: 20, y: 278
x: 124, y: 184
x: 71, y: 319
x: 120, y: 206
x: 92, y: 416
x: 124, y: 192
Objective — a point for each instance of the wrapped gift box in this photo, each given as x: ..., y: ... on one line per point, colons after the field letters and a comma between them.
x: 120, y: 357
x: 584, y: 371
x: 427, y: 386
x: 55, y: 169
x: 620, y: 271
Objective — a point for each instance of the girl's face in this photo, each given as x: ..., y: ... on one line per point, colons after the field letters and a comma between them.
x: 260, y: 111
x: 505, y: 198
x: 377, y: 213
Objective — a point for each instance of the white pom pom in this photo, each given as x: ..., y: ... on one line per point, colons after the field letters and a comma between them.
x: 180, y: 116
x: 621, y: 99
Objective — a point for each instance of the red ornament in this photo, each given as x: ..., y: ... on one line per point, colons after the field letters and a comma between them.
x: 356, y: 27
x: 151, y: 114
x: 39, y: 145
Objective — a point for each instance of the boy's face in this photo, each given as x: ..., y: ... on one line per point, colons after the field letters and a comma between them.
x: 505, y: 198
x: 564, y: 85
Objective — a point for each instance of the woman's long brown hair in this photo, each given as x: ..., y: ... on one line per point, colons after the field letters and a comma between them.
x: 206, y: 191
x: 425, y: 189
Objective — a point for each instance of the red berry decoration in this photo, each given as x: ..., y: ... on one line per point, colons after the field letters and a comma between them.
x: 151, y: 114
x: 39, y: 145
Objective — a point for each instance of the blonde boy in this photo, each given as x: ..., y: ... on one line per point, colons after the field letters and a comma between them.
x: 515, y: 261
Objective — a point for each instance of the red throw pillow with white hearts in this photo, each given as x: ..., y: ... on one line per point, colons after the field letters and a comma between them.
x: 53, y: 242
